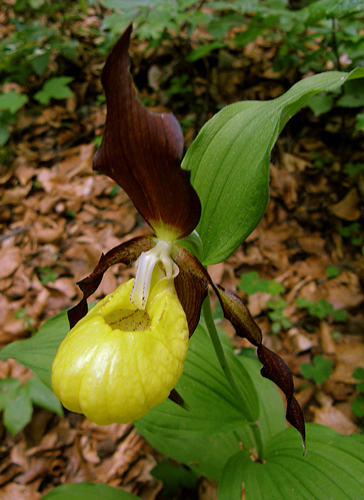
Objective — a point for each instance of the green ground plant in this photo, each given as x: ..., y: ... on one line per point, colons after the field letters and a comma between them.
x: 319, y: 370
x: 17, y: 401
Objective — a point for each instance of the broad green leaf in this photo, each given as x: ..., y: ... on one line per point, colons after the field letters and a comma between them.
x: 332, y: 469
x: 357, y: 406
x: 272, y: 413
x: 12, y: 101
x: 206, y: 435
x: 18, y: 411
x: 44, y: 397
x: 320, y: 103
x: 326, y: 9
x: 55, y: 88
x: 37, y: 352
x: 88, y: 491
x: 204, y: 386
x: 174, y: 477
x: 229, y: 162
x: 4, y: 133
x: 8, y: 390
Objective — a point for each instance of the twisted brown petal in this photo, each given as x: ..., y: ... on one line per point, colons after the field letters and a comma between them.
x: 277, y: 370
x: 239, y: 316
x: 191, y: 285
x: 122, y: 254
x: 142, y: 151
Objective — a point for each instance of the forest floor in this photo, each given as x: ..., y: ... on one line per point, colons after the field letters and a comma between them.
x: 57, y: 216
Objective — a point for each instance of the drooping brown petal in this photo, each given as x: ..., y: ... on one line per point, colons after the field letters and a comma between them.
x: 239, y: 316
x: 236, y: 312
x: 142, y: 151
x: 277, y: 370
x: 176, y: 398
x: 121, y: 254
x: 191, y: 285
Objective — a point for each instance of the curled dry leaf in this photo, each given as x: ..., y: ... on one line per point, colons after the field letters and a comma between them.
x: 349, y: 207
x: 10, y: 260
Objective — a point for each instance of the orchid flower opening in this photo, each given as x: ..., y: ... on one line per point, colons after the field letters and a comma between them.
x: 126, y: 355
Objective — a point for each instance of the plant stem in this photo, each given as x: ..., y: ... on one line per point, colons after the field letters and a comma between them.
x: 210, y: 324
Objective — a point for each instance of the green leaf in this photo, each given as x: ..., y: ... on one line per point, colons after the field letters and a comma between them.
x: 332, y: 271
x: 319, y: 371
x: 12, y: 101
x: 37, y: 352
x: 229, y: 162
x: 88, y: 491
x: 358, y: 406
x: 44, y: 397
x: 350, y: 101
x: 174, y: 477
x: 320, y: 104
x: 204, y: 50
x: 40, y: 62
x: 358, y: 373
x: 359, y: 122
x: 211, y: 431
x: 55, y: 88
x: 332, y: 469
x: 204, y: 386
x: 18, y: 411
x: 8, y: 390
x: 340, y: 315
x: 326, y: 9
x: 251, y: 283
x: 4, y: 133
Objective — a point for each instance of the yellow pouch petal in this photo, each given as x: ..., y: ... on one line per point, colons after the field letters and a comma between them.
x: 118, y: 362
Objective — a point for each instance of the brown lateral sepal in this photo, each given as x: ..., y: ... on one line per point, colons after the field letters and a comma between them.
x: 122, y: 254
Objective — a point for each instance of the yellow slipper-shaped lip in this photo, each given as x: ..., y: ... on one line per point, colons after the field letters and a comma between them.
x: 118, y: 362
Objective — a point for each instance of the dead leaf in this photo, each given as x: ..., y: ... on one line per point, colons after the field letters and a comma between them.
x: 10, y: 259
x: 348, y: 357
x: 349, y: 207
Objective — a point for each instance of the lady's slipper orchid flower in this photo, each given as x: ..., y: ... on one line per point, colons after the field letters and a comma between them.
x: 106, y: 368
x: 126, y: 354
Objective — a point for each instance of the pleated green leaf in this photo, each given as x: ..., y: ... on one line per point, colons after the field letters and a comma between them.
x: 88, y: 491
x: 332, y: 469
x: 204, y: 387
x: 37, y: 352
x: 229, y: 162
x: 215, y: 426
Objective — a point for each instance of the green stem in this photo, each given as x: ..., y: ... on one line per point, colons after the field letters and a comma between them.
x: 210, y: 324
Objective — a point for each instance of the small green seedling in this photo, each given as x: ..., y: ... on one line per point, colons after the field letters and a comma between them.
x: 27, y: 321
x: 54, y: 88
x: 278, y: 316
x: 332, y: 272
x: 17, y: 400
x: 353, y: 232
x: 250, y: 283
x: 46, y: 274
x: 322, y: 309
x: 354, y: 168
x: 320, y: 369
x: 10, y: 103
